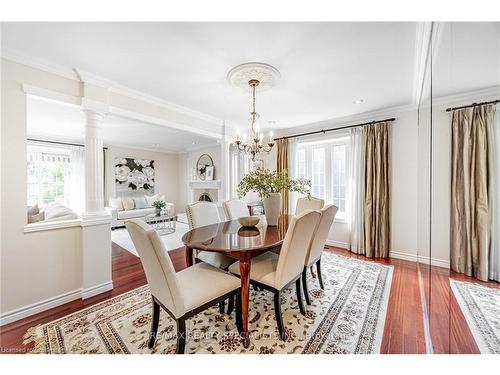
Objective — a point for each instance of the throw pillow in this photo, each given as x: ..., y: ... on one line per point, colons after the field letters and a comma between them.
x: 140, y: 203
x: 150, y: 199
x: 128, y: 203
x: 116, y: 204
x: 33, y: 210
x: 36, y: 218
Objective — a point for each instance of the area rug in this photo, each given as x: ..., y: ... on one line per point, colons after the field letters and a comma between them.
x: 171, y: 241
x: 347, y: 317
x: 481, y: 308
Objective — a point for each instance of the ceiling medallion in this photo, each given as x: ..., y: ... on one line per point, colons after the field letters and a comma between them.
x: 267, y: 75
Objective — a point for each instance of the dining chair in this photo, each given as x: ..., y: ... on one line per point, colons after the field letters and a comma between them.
x: 182, y: 294
x: 235, y: 208
x: 200, y: 214
x: 309, y: 203
x: 276, y: 272
x: 317, y: 245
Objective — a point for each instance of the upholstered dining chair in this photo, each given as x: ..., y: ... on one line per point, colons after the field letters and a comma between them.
x: 310, y: 203
x: 317, y: 245
x: 182, y: 294
x: 200, y: 214
x: 275, y: 272
x: 235, y: 208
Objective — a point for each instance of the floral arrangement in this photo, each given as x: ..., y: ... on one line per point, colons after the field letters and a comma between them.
x: 159, y: 205
x: 135, y: 174
x: 265, y: 182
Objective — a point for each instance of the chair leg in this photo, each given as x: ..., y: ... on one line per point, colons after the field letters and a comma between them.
x: 320, y: 278
x: 181, y: 335
x: 154, y: 324
x: 239, y: 321
x: 304, y: 285
x: 230, y: 305
x: 222, y: 305
x: 312, y: 272
x: 299, y: 296
x: 279, y: 318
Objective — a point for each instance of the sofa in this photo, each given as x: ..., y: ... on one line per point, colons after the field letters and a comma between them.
x: 126, y: 208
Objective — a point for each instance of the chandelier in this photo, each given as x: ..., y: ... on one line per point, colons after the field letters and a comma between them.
x: 256, y: 144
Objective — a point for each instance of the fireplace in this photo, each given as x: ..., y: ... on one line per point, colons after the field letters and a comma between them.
x: 205, y: 197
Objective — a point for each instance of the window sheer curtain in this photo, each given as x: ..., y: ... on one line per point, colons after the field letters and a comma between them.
x: 282, y: 165
x: 494, y: 259
x: 292, y: 172
x: 77, y: 179
x: 472, y: 190
x: 356, y: 191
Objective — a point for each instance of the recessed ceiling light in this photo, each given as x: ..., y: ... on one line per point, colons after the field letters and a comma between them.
x: 358, y: 101
x: 193, y: 143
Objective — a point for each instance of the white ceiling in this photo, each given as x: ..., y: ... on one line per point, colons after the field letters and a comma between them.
x: 59, y: 122
x: 324, y: 66
x: 467, y: 58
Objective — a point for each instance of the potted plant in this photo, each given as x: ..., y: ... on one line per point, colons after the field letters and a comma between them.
x: 269, y: 185
x: 159, y: 205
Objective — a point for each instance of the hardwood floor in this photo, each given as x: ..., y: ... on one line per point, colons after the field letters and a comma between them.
x: 403, y: 332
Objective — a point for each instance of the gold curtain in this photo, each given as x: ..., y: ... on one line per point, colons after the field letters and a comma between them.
x: 471, y: 189
x: 376, y: 205
x: 282, y: 165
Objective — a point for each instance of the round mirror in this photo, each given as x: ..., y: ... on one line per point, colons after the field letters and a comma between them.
x: 203, y: 162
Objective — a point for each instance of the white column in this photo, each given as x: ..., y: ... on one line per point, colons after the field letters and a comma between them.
x: 94, y: 164
x: 96, y: 230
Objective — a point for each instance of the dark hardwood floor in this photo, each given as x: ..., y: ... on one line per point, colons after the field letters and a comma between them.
x: 403, y: 332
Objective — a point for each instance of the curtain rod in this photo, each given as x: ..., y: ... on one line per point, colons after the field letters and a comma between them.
x: 333, y: 129
x: 473, y: 105
x: 57, y: 143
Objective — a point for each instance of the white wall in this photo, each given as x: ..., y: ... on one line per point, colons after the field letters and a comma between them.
x: 166, y: 172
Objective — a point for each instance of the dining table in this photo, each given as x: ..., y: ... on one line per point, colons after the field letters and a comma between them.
x: 241, y: 243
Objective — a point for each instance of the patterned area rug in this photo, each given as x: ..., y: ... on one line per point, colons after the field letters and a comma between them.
x: 481, y: 308
x: 347, y: 317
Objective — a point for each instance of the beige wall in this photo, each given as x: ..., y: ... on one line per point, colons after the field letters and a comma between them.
x: 40, y: 265
x: 166, y: 171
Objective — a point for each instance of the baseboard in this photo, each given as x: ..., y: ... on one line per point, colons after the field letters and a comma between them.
x: 38, y: 307
x: 420, y: 259
x: 342, y: 245
x: 97, y: 289
x: 49, y: 303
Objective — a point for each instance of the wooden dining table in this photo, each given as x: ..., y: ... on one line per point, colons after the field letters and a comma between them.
x: 241, y: 243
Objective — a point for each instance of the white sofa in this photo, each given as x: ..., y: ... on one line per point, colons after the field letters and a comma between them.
x: 126, y: 208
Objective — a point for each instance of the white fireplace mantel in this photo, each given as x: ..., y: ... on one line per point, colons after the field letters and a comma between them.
x: 200, y: 184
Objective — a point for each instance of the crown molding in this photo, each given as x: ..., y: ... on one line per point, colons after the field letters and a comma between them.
x: 40, y: 64
x: 113, y: 87
x: 422, y: 44
x: 201, y: 147
x: 464, y: 98
x: 159, y: 150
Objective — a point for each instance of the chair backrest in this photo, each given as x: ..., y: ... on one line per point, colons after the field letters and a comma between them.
x: 235, y: 209
x: 295, y: 246
x: 200, y: 214
x: 157, y: 265
x: 320, y: 236
x: 311, y: 203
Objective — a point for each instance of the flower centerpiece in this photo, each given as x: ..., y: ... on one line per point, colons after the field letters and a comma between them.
x: 159, y: 205
x: 269, y: 185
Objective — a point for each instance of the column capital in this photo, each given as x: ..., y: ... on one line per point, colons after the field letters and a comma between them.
x: 94, y: 107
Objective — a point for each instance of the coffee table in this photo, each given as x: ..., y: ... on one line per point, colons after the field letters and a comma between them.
x: 162, y: 223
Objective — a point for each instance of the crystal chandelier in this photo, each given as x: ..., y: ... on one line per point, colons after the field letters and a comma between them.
x: 256, y: 145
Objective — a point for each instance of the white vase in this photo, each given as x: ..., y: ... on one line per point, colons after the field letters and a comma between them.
x: 272, y: 208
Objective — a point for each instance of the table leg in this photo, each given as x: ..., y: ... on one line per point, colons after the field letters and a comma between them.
x: 245, y: 297
x: 189, y: 256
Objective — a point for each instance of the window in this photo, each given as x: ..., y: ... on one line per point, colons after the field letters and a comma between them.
x: 48, y: 175
x: 240, y: 165
x: 325, y: 164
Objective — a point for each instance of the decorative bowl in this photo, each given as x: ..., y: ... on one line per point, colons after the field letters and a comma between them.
x: 249, y: 221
